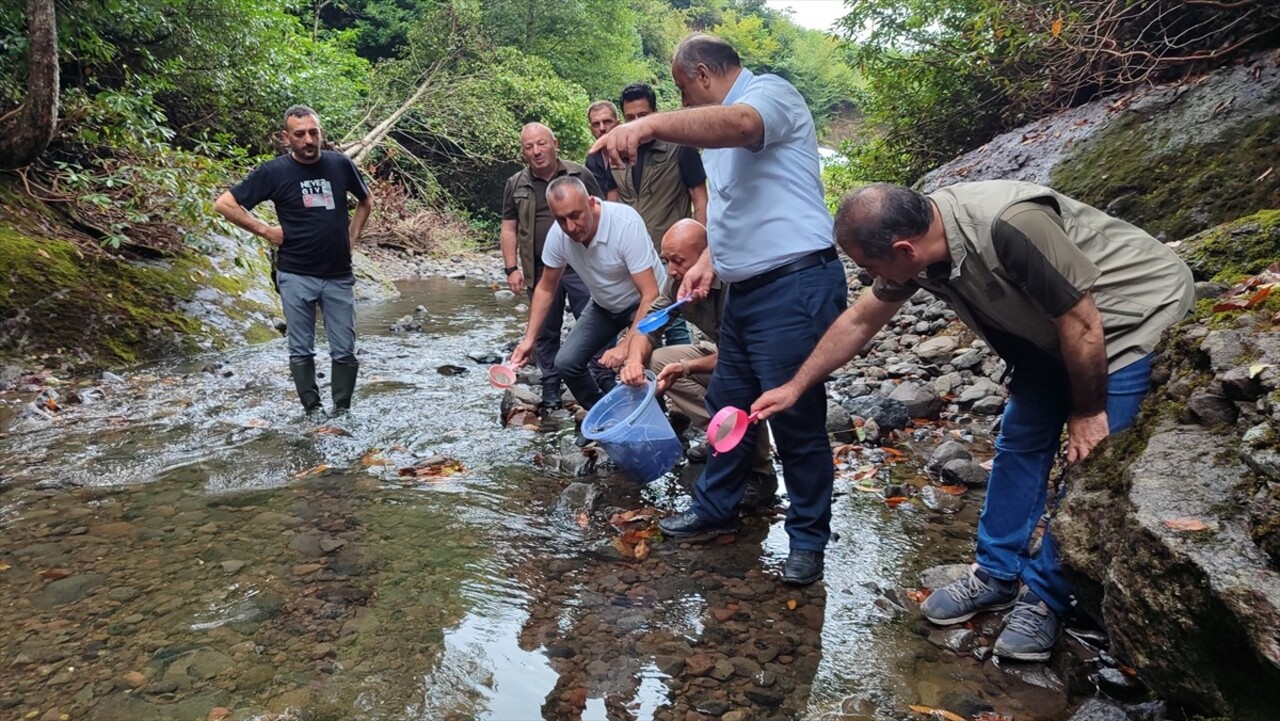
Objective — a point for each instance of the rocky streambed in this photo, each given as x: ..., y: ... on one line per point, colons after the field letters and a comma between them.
x: 179, y: 543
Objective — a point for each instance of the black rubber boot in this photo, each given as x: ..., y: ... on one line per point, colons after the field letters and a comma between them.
x: 343, y: 384
x: 304, y: 379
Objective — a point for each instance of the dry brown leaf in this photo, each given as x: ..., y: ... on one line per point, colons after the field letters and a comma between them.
x: 331, y: 431
x: 373, y: 458
x: 583, y: 521
x: 791, y: 604
x: 1056, y: 28
x: 642, y: 550
x: 313, y: 471
x: 953, y: 490
x: 918, y: 595
x: 940, y: 713
x: 1186, y: 524
x: 894, y: 501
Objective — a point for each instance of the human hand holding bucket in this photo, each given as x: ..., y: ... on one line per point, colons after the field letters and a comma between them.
x: 727, y: 427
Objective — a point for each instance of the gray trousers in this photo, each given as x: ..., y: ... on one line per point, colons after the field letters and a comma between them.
x: 299, y: 295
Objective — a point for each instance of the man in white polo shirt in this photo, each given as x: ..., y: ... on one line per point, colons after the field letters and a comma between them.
x: 608, y: 245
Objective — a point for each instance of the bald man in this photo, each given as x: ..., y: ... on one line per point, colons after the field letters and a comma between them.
x: 684, y: 371
x: 526, y: 219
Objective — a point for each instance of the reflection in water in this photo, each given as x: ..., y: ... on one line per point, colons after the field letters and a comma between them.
x: 191, y: 541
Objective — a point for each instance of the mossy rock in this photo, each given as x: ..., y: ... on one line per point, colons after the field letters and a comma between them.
x: 60, y: 302
x: 1234, y: 250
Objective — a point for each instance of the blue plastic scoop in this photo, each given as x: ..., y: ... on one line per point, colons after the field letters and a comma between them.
x: 658, y: 318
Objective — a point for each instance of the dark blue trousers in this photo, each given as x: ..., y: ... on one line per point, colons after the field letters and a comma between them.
x: 767, y: 333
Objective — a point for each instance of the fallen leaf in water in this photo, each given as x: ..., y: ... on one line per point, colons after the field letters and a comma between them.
x: 642, y: 550
x: 624, y: 549
x: 634, y: 537
x: 578, y: 699
x: 894, y: 501
x: 1186, y: 524
x: 436, y: 467
x: 53, y: 574
x: 373, y: 458
x: 628, y: 517
x: 953, y: 490
x: 257, y: 423
x: 331, y: 431
x: 937, y: 713
x: 918, y: 595
x: 313, y: 471
x: 845, y: 449
x: 893, y: 454
x: 5, y: 567
x: 725, y: 539
x: 583, y: 521
x: 791, y: 604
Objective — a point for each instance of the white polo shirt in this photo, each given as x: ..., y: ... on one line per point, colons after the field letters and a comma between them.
x: 620, y: 249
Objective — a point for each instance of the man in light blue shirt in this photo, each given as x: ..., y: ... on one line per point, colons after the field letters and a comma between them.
x: 608, y: 245
x: 769, y: 236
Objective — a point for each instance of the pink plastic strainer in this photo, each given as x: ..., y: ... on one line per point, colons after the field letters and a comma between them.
x: 727, y: 427
x: 502, y: 375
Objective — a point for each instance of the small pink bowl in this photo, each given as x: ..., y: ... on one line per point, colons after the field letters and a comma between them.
x: 502, y: 376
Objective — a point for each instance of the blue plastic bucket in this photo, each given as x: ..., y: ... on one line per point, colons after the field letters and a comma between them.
x: 631, y: 427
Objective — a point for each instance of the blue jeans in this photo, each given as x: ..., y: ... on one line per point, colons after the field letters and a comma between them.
x: 299, y: 295
x: 1029, y: 441
x: 677, y: 333
x: 595, y: 331
x: 572, y: 294
x: 766, y: 334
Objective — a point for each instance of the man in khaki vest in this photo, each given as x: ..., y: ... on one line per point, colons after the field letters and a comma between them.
x: 526, y: 218
x: 1072, y: 299
x: 601, y: 118
x: 665, y: 183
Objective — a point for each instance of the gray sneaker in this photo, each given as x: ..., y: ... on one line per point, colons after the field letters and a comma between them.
x: 1030, y: 631
x: 964, y: 598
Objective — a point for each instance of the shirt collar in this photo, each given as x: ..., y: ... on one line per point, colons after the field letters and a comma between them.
x: 739, y: 87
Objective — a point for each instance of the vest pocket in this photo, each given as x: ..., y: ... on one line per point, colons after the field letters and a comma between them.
x: 1121, y: 309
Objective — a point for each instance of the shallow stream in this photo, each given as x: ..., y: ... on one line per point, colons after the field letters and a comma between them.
x: 188, y: 542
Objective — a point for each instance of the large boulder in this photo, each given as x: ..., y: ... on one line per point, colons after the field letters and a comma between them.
x: 1171, y: 532
x: 1174, y: 159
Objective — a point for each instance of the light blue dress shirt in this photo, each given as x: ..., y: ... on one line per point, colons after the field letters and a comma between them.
x: 766, y: 206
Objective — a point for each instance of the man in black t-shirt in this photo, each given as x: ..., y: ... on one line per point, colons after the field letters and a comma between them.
x: 315, y: 237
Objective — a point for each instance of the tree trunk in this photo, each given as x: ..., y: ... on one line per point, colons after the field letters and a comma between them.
x: 360, y: 149
x: 26, y: 131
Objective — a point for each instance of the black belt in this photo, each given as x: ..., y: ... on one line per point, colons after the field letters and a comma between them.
x: 767, y: 277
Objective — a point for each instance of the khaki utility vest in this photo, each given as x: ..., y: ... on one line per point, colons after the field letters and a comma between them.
x: 527, y: 210
x: 1142, y: 290
x: 662, y: 198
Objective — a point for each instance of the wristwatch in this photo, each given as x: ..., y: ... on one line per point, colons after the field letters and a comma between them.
x: 508, y: 270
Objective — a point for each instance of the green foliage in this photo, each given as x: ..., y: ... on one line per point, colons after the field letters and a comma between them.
x: 121, y: 162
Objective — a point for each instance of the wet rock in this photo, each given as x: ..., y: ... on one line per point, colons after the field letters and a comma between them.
x: 672, y: 666
x: 307, y: 545
x: 765, y: 696
x: 699, y: 664
x: 969, y: 359
x: 1119, y: 685
x: 937, y: 350
x: 1242, y: 384
x: 406, y: 324
x: 958, y: 640
x: 421, y: 310
x: 920, y: 400
x: 1035, y: 674
x: 449, y: 369
x: 965, y: 472
x: 67, y: 590
x: 936, y: 499
x: 578, y: 498
x: 504, y: 294
x: 939, y: 576
x: 723, y: 671
x: 1095, y: 709
x: 517, y: 398
x: 1149, y: 711
x: 888, y: 414
x: 839, y: 423
x: 485, y: 358
x: 233, y: 566
x: 946, y: 452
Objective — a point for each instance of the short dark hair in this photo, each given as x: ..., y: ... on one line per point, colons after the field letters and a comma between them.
x: 299, y: 111
x: 879, y: 214
x: 558, y: 188
x: 602, y: 104
x: 703, y: 49
x: 639, y: 91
